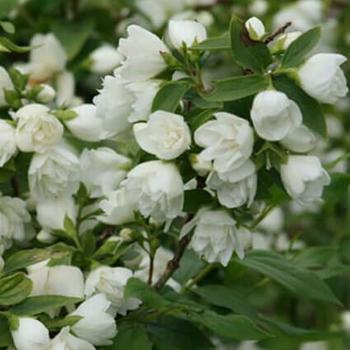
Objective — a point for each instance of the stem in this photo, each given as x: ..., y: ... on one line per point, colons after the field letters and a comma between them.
x: 203, y: 273
x: 277, y: 33
x: 15, y: 186
x: 151, y: 268
x: 174, y: 263
x: 262, y: 216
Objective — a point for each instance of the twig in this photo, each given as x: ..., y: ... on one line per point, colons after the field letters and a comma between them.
x: 174, y: 263
x: 107, y: 232
x: 203, y: 273
x: 151, y: 268
x: 277, y: 33
x: 15, y: 186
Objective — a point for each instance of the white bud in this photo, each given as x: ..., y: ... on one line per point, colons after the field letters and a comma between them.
x: 255, y: 28
x: 47, y: 94
x: 186, y: 32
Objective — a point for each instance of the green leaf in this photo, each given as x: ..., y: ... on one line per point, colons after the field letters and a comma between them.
x: 141, y: 290
x: 249, y: 54
x: 24, y: 258
x: 5, y: 335
x: 230, y: 326
x: 324, y: 260
x: 296, y: 52
x: 312, y: 112
x: 19, y: 80
x: 131, y: 337
x: 281, y: 329
x: 10, y: 46
x: 65, y: 115
x: 195, y: 199
x: 222, y: 42
x: 228, y: 298
x: 299, y: 281
x: 236, y: 88
x: 69, y: 227
x: 38, y: 304
x: 169, y: 333
x: 14, y: 289
x: 270, y: 187
x: 200, y: 119
x: 8, y: 27
x: 169, y: 96
x: 6, y: 6
x: 73, y: 35
x: 190, y: 265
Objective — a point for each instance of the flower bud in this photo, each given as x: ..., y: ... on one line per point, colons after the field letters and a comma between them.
x: 255, y: 28
x: 274, y: 115
x: 186, y: 32
x: 300, y: 140
x: 30, y: 335
x: 322, y: 78
x: 201, y: 166
x: 104, y: 59
x: 304, y: 178
x: 47, y: 94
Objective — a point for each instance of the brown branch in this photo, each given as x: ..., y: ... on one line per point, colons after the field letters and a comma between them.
x: 174, y: 263
x: 15, y: 186
x: 151, y: 268
x: 277, y: 33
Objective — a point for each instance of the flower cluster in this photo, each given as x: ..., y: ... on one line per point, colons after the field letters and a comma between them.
x: 101, y: 191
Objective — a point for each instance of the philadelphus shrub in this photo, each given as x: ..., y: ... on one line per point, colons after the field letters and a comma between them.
x: 118, y: 207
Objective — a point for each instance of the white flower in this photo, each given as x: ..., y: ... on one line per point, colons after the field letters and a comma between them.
x: 215, y: 236
x: 157, y: 189
x: 111, y: 282
x: 201, y: 166
x: 273, y: 222
x: 86, y: 125
x: 51, y: 212
x: 284, y: 41
x: 186, y: 32
x: 102, y: 170
x: 304, y: 14
x: 47, y: 57
x: 159, y: 11
x: 118, y: 209
x: 143, y: 95
x: 345, y: 319
x: 8, y: 147
x: 300, y: 140
x: 66, y: 341
x: 37, y: 129
x: 228, y: 141
x: 121, y: 102
x: 255, y: 28
x: 14, y: 218
x: 31, y: 334
x: 97, y: 326
x: 47, y: 94
x: 104, y: 59
x: 54, y: 173
x: 65, y: 90
x: 322, y: 78
x: 238, y: 191
x: 61, y: 280
x: 166, y: 135
x: 304, y: 178
x: 258, y: 7
x: 142, y: 51
x: 274, y: 115
x: 5, y: 84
